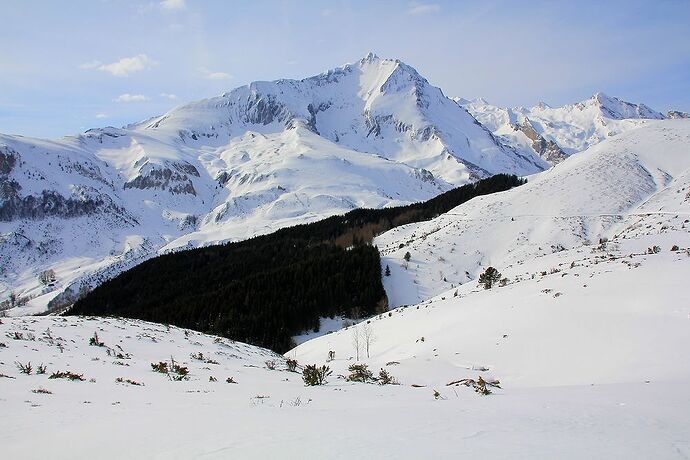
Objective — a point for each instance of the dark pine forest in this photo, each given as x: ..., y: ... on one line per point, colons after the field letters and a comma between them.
x: 268, y: 288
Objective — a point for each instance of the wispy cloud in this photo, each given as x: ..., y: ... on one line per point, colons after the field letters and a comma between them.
x: 126, y: 66
x: 211, y: 75
x: 131, y: 98
x: 424, y: 8
x: 90, y: 65
x: 174, y: 4
x: 172, y: 97
x: 101, y: 115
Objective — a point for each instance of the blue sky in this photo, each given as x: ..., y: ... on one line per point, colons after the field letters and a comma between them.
x: 69, y: 66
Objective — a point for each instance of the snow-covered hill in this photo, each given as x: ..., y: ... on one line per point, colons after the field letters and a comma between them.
x: 554, y: 133
x: 639, y: 178
x: 369, y: 134
x: 595, y: 254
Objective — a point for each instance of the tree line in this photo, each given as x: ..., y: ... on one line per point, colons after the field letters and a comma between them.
x: 266, y: 289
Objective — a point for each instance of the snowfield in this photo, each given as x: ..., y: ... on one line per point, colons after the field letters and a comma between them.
x: 637, y: 180
x: 589, y: 338
x: 592, y: 362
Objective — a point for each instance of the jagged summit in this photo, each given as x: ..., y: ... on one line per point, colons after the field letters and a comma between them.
x: 553, y: 133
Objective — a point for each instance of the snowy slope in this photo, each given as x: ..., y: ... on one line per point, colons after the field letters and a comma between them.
x: 608, y: 333
x: 369, y: 134
x: 608, y: 189
x: 270, y: 413
x: 557, y: 132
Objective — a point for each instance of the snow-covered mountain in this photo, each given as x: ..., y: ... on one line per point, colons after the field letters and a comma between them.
x: 369, y: 134
x: 554, y: 133
x: 374, y: 133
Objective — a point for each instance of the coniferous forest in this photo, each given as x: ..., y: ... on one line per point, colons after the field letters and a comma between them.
x: 269, y: 288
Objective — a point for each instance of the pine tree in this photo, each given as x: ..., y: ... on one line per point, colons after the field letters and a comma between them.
x: 388, y: 271
x: 489, y: 277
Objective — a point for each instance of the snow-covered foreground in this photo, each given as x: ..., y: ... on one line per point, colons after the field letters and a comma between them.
x: 592, y: 361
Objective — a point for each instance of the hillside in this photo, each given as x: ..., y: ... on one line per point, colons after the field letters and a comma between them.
x: 637, y: 179
x: 267, y: 289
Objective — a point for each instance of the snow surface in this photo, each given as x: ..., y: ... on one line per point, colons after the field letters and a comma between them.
x: 639, y: 178
x: 588, y: 339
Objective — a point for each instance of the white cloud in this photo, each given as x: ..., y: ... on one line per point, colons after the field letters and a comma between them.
x: 125, y: 66
x: 424, y: 8
x: 172, y: 97
x: 210, y: 75
x: 90, y: 65
x: 173, y: 4
x: 326, y: 12
x: 131, y: 98
x: 101, y: 115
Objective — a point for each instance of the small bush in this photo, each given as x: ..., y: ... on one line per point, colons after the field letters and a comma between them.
x: 675, y: 248
x: 271, y: 364
x: 42, y: 391
x: 212, y: 378
x: 131, y: 382
x: 385, y: 378
x: 41, y: 369
x: 359, y: 373
x: 24, y: 368
x: 291, y: 364
x: 179, y: 373
x: 95, y: 342
x: 230, y: 380
x: 67, y: 375
x: 313, y: 375
x: 161, y: 367
x: 480, y: 385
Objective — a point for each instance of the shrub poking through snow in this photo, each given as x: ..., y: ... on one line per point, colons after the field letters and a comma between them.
x: 161, y: 367
x: 385, y: 378
x: 359, y: 373
x: 131, y: 382
x: 271, y: 364
x: 313, y: 375
x: 24, y: 368
x: 291, y: 364
x: 41, y: 369
x: 480, y: 385
x: 42, y: 391
x: 490, y: 277
x: 94, y: 341
x: 67, y: 375
x: 230, y: 380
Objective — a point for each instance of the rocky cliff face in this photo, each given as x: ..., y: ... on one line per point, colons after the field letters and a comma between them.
x: 546, y: 149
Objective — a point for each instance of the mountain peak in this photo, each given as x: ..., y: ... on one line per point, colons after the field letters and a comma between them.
x: 370, y: 57
x: 615, y: 108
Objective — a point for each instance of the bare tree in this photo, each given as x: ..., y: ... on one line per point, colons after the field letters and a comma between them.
x: 356, y: 341
x: 47, y: 277
x: 368, y: 335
